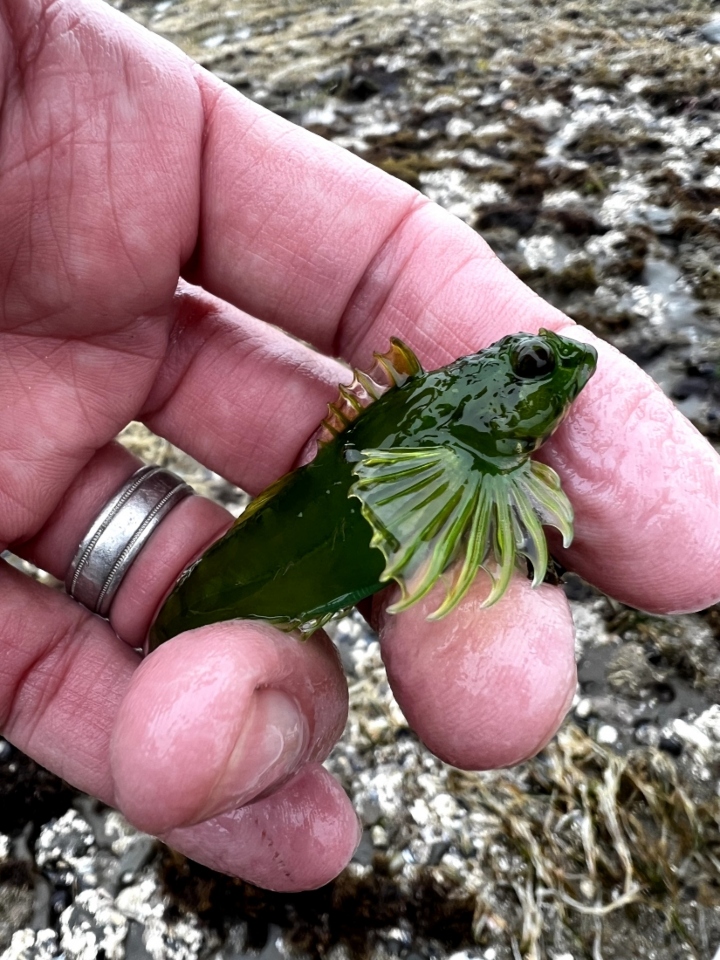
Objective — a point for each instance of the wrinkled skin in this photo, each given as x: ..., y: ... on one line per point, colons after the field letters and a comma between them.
x: 123, y: 167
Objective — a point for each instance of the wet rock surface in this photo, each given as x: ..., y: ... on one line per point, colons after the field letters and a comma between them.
x: 583, y: 142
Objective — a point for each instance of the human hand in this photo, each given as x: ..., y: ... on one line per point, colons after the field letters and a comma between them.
x: 122, y: 167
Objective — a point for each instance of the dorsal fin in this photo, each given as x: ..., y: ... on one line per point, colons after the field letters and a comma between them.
x: 391, y: 369
x: 397, y: 365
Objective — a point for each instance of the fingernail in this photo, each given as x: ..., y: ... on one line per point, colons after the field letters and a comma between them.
x: 269, y: 750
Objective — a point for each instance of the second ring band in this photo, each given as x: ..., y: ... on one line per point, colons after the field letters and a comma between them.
x: 119, y: 532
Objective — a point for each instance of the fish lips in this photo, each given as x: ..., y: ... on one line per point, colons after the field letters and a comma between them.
x: 585, y: 368
x: 578, y: 359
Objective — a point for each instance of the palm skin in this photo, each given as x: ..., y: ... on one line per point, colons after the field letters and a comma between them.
x: 124, y: 168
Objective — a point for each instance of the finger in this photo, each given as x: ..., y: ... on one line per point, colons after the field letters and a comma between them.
x: 182, y: 537
x: 307, y: 236
x: 63, y: 674
x: 188, y: 734
x: 215, y: 718
x: 417, y: 273
x: 645, y: 487
x: 485, y: 687
x: 90, y: 98
x: 300, y: 223
x: 188, y: 530
x: 239, y: 395
x: 89, y: 251
x: 298, y: 839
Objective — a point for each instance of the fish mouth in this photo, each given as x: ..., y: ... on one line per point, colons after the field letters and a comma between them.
x: 577, y: 359
x: 586, y: 364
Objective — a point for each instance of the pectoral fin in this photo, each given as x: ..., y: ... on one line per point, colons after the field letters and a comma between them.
x: 418, y: 502
x: 432, y: 508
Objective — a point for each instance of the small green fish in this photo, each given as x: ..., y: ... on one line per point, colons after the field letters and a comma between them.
x: 429, y: 474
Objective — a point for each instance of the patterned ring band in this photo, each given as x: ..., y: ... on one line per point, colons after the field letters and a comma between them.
x: 119, y: 533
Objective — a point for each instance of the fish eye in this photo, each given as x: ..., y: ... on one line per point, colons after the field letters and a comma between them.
x: 532, y: 359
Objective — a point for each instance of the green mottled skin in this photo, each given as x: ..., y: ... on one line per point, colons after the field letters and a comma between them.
x: 302, y: 550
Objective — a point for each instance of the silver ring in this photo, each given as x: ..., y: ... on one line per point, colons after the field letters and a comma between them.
x: 118, y: 534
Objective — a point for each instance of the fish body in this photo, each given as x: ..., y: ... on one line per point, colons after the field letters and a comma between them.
x: 432, y: 477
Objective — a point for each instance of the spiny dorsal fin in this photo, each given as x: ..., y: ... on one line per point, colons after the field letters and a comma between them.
x: 392, y: 369
x: 397, y: 365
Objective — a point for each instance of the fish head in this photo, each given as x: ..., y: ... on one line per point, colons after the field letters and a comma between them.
x: 518, y: 391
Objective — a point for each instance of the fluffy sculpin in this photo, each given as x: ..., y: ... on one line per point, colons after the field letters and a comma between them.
x: 424, y: 475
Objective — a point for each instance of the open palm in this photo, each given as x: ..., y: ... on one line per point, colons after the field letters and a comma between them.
x: 124, y: 167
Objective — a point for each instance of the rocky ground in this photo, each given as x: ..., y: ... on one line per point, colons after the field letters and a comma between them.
x: 583, y: 141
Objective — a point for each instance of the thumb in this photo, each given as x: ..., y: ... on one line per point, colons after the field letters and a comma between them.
x: 220, y: 716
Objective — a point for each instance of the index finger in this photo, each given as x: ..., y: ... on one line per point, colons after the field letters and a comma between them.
x: 303, y: 234
x: 307, y: 236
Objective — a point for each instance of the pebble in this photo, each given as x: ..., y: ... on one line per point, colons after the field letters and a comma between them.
x: 443, y: 101
x: 710, y: 31
x: 694, y: 736
x: 670, y: 745
x: 584, y: 708
x: 647, y: 734
x: 141, y: 900
x: 135, y: 857
x: 606, y: 734
x: 457, y: 127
